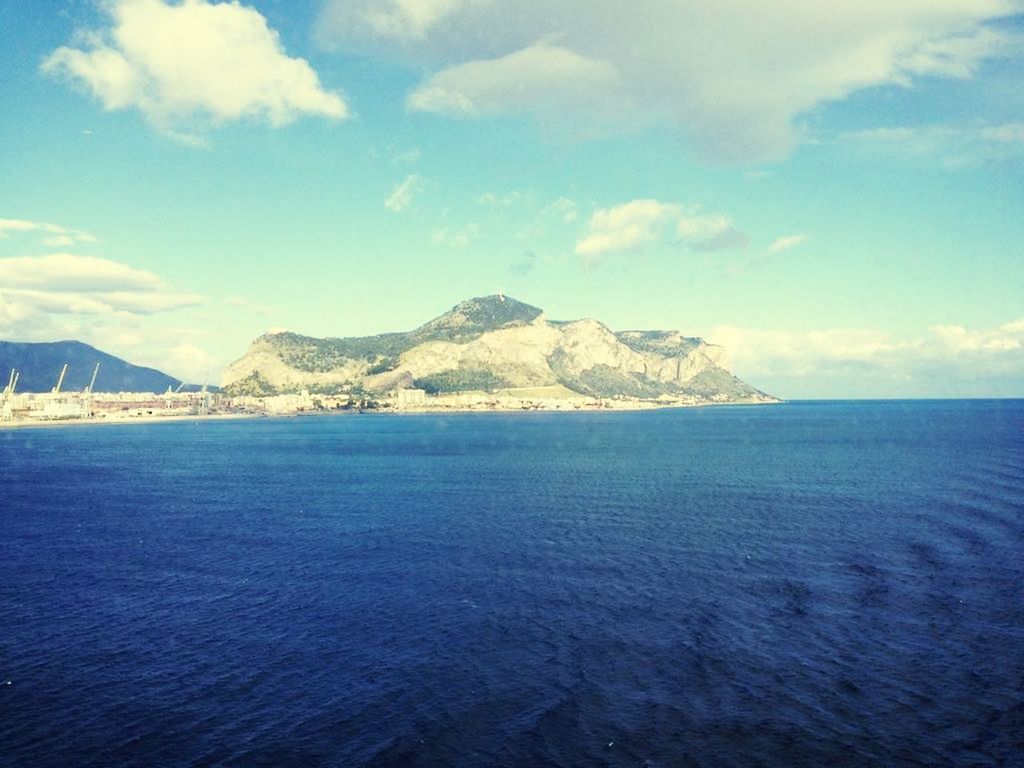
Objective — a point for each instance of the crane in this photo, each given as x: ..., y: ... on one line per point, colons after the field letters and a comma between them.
x: 88, y: 391
x: 60, y: 379
x: 12, y: 382
x: 179, y: 387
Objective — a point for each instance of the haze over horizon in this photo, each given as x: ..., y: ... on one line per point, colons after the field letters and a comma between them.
x: 832, y: 193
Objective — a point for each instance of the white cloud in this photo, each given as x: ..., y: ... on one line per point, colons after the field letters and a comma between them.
x: 954, y: 146
x: 734, y: 77
x: 945, y: 360
x: 191, y: 361
x: 402, y: 194
x: 504, y: 200
x: 63, y: 283
x: 627, y: 226
x: 1010, y: 133
x: 406, y: 157
x: 57, y: 236
x: 543, y: 79
x: 695, y: 228
x: 403, y: 19
x: 59, y: 241
x: 187, y: 63
x: 454, y: 237
x: 17, y: 225
x: 101, y: 302
x: 786, y: 242
x: 104, y: 303
x: 566, y: 208
x: 69, y: 272
x: 956, y: 338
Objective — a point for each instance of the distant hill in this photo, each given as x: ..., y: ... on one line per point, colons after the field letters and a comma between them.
x: 493, y: 343
x: 40, y: 365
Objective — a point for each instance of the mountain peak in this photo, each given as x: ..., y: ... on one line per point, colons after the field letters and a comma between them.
x: 479, y: 315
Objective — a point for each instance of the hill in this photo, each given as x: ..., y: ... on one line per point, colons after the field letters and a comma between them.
x: 40, y: 365
x: 494, y: 343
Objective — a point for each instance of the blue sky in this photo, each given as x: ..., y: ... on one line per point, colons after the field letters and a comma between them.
x: 833, y: 191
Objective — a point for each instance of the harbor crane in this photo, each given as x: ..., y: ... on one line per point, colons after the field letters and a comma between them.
x: 60, y: 379
x: 6, y: 412
x: 88, y: 391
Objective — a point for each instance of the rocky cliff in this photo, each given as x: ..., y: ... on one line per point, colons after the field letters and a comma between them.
x: 494, y: 343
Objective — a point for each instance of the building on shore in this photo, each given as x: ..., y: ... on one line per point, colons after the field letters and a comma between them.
x: 406, y: 399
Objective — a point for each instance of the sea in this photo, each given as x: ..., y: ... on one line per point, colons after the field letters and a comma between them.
x: 804, y: 584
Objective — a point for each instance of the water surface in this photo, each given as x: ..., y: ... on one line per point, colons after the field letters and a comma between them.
x: 799, y: 585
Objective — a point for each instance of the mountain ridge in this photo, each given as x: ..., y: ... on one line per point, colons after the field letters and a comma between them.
x: 40, y: 363
x: 494, y: 343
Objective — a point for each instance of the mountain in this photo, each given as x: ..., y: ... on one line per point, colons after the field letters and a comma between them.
x: 40, y: 366
x: 494, y: 343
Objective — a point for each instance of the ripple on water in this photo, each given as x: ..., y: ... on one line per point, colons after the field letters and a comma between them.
x: 814, y: 584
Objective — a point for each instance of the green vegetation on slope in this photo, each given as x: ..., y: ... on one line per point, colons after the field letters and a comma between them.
x: 464, y: 322
x: 475, y: 317
x: 659, y: 342
x: 465, y: 380
x: 253, y: 385
x: 312, y: 355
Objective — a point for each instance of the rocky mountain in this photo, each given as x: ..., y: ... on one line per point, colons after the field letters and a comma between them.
x: 493, y: 343
x: 40, y: 364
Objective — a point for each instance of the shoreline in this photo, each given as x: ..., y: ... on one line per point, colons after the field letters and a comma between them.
x: 619, y: 407
x: 103, y: 421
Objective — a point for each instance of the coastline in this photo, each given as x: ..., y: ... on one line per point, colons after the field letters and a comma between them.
x: 103, y: 420
x: 605, y: 407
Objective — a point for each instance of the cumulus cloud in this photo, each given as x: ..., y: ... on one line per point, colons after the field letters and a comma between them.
x: 69, y: 272
x: 735, y: 78
x: 101, y: 302
x: 401, y: 196
x: 194, y: 62
x: 104, y: 303
x: 627, y: 226
x: 63, y: 283
x: 943, y: 361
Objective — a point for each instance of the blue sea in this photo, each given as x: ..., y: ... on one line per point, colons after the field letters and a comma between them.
x: 809, y: 584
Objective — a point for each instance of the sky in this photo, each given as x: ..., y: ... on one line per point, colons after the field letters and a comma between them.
x: 833, y: 191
